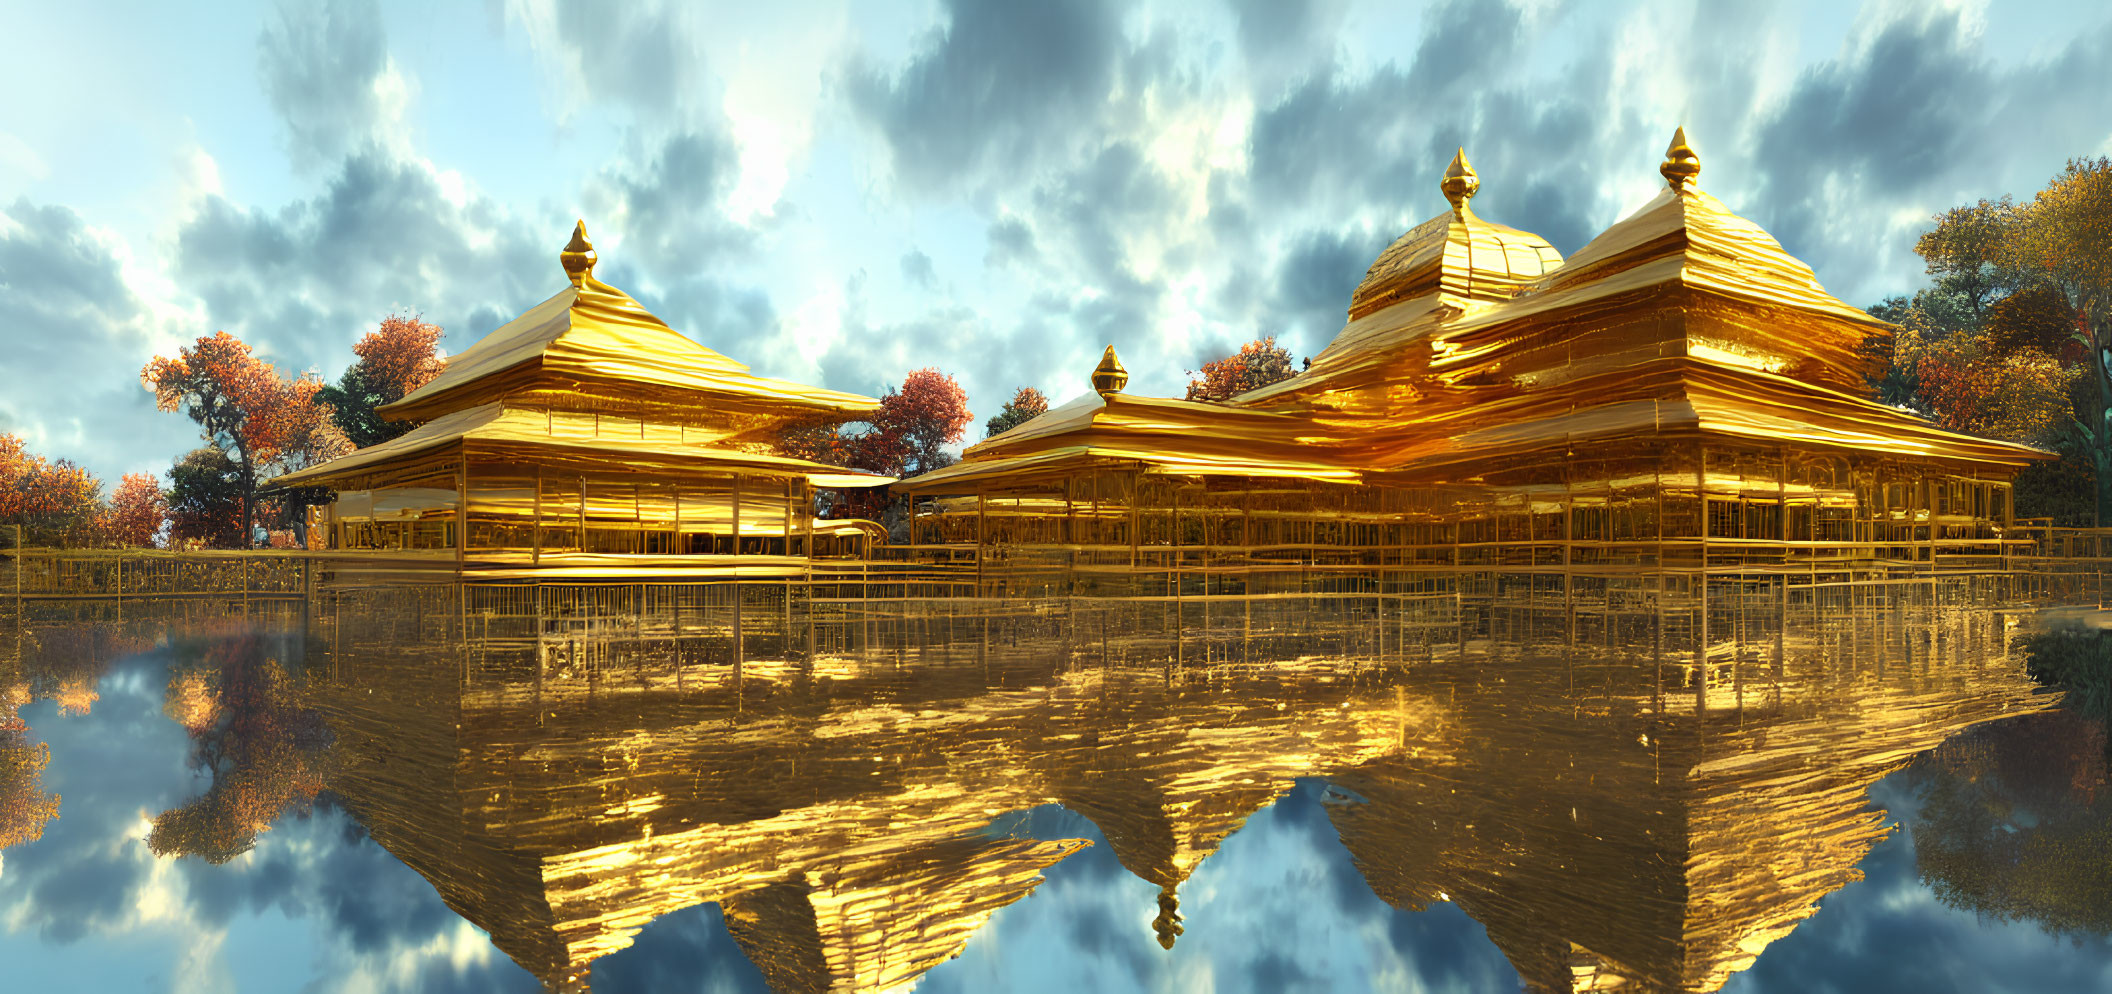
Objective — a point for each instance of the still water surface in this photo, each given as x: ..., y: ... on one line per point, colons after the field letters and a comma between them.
x: 374, y: 794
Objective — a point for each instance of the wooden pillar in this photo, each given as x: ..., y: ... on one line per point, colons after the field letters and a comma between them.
x: 535, y: 553
x: 736, y: 518
x: 461, y: 510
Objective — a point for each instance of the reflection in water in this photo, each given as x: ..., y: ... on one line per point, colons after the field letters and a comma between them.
x: 1613, y: 803
x: 2016, y: 823
x: 252, y: 734
x: 59, y: 651
x: 1628, y: 788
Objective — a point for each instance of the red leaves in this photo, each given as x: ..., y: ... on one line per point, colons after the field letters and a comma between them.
x: 402, y: 355
x: 243, y: 404
x: 1257, y: 364
x: 135, y: 512
x: 914, y: 425
x: 261, y: 420
x: 55, y: 501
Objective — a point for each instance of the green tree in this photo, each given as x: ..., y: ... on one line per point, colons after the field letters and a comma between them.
x: 1025, y: 406
x: 205, y: 500
x: 2024, y: 268
x: 394, y: 359
x: 2015, y: 823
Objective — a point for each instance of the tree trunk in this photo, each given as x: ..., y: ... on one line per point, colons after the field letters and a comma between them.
x: 2101, y: 435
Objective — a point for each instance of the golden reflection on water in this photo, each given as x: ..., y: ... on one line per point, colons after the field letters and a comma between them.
x: 566, y: 764
x: 1629, y: 787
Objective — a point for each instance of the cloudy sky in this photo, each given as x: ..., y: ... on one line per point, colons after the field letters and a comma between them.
x: 839, y: 193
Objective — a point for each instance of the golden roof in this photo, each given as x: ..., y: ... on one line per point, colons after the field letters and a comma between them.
x: 494, y: 428
x: 1177, y: 437
x: 1681, y: 319
x: 593, y: 341
x: 1456, y: 255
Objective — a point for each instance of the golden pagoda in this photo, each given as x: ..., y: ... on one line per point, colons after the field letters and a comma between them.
x: 588, y: 436
x: 1680, y: 392
x: 838, y: 807
x: 1612, y: 834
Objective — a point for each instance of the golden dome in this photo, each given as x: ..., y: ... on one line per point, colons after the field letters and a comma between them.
x: 1455, y: 253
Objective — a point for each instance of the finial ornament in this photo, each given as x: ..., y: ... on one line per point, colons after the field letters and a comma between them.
x: 1681, y: 164
x: 1460, y: 183
x: 578, y: 257
x: 1109, y: 377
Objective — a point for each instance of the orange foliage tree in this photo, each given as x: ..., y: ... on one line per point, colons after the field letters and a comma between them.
x: 1968, y: 384
x: 2063, y: 239
x: 266, y: 751
x: 24, y: 807
x: 1025, y: 406
x: 264, y: 422
x: 906, y: 436
x: 54, y: 501
x: 1257, y: 364
x: 394, y: 359
x: 136, y: 512
x: 912, y: 428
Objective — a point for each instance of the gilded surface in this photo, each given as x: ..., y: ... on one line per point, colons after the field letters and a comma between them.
x: 1621, y: 790
x: 1473, y: 348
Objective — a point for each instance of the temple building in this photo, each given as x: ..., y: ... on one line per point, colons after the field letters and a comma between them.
x: 1680, y: 392
x: 1612, y: 836
x: 587, y: 436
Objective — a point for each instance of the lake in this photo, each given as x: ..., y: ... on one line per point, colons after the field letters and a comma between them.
x: 434, y: 787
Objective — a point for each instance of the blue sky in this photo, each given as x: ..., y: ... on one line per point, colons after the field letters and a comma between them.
x: 839, y: 193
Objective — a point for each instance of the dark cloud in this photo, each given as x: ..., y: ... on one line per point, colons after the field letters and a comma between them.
x: 670, y: 203
x: 1314, y: 281
x: 1917, y: 116
x: 1895, y: 119
x: 320, y: 64
x: 999, y: 85
x: 658, y: 73
x: 1011, y: 242
x: 917, y: 270
x: 304, y: 282
x: 1272, y: 30
x: 77, y: 336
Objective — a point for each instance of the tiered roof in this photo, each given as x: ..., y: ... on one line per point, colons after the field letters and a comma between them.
x: 1469, y: 343
x: 592, y: 350
x: 1112, y: 428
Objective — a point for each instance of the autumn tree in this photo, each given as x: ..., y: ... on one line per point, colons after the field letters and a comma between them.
x: 394, y: 359
x: 1257, y: 364
x: 2014, y: 822
x: 914, y: 425
x: 136, y: 512
x: 1025, y: 406
x: 55, y: 501
x: 265, y: 751
x: 263, y: 422
x: 908, y: 435
x: 1968, y: 252
x: 24, y: 807
x: 2063, y: 239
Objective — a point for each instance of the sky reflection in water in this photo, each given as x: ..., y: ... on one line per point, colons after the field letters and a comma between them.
x: 1280, y: 904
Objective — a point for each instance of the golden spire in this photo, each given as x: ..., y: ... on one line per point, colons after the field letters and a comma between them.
x: 1460, y: 183
x: 1109, y: 377
x: 1681, y: 164
x: 1167, y: 926
x: 578, y: 257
